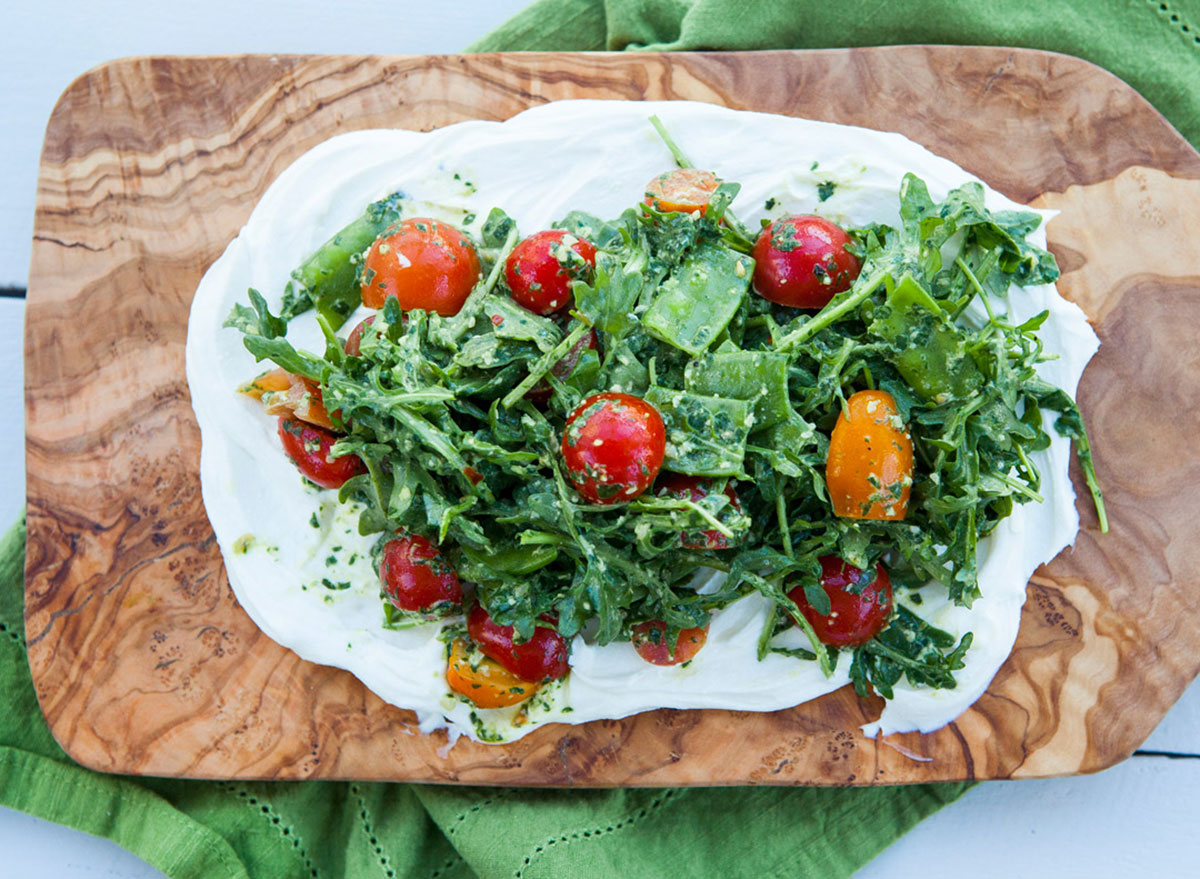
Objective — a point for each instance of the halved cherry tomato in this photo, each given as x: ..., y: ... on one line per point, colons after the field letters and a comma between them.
x: 613, y: 446
x: 695, y: 489
x: 354, y: 340
x: 542, y: 657
x: 273, y: 381
x: 869, y: 471
x: 650, y: 641
x: 283, y: 393
x: 562, y: 370
x: 487, y: 683
x: 416, y: 576
x: 424, y: 264
x: 802, y: 261
x: 685, y: 189
x: 308, y: 446
x: 854, y: 618
x: 540, y: 269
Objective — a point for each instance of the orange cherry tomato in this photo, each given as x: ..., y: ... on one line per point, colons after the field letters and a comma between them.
x: 488, y: 684
x: 283, y: 393
x: 869, y: 471
x: 650, y: 641
x: 424, y: 264
x: 685, y: 189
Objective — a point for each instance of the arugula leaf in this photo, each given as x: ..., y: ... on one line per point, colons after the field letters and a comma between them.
x: 497, y: 227
x: 910, y: 647
x: 706, y: 436
x: 256, y: 320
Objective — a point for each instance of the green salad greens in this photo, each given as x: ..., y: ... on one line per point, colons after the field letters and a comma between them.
x: 459, y: 419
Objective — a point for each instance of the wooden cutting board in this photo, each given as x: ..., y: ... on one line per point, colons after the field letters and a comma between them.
x: 143, y: 661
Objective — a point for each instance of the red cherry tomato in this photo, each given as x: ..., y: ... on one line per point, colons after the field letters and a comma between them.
x: 416, y: 576
x: 613, y: 446
x: 354, y: 340
x: 650, y: 641
x: 308, y: 446
x: 542, y: 657
x: 684, y: 189
x: 853, y: 619
x: 540, y: 269
x: 802, y: 261
x: 562, y: 370
x: 424, y: 264
x: 695, y: 489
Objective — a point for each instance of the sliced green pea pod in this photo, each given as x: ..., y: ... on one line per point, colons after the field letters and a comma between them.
x: 695, y: 304
x: 759, y: 377
x: 329, y: 278
x: 927, y: 351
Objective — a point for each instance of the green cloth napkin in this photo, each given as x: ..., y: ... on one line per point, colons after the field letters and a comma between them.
x: 278, y: 830
x: 328, y: 829
x: 1152, y: 45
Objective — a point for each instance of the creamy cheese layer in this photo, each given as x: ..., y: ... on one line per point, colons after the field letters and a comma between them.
x: 296, y: 561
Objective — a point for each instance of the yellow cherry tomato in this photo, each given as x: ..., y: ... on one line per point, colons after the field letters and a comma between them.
x: 686, y: 190
x: 486, y: 683
x: 869, y: 471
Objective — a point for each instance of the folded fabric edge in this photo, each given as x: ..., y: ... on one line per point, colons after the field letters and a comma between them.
x: 139, y: 821
x: 549, y: 26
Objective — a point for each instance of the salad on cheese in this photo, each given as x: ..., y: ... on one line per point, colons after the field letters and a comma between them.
x: 665, y: 434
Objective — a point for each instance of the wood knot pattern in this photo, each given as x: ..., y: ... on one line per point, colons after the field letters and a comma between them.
x: 142, y: 659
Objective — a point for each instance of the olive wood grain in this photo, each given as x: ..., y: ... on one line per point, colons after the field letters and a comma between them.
x: 143, y: 661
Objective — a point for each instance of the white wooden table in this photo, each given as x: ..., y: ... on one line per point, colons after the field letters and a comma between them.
x: 1137, y: 819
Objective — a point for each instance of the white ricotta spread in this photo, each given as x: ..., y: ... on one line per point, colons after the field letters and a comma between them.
x: 594, y: 156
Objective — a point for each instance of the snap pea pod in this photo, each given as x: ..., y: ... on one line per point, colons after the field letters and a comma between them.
x: 759, y: 377
x: 513, y: 561
x: 329, y: 278
x: 695, y: 304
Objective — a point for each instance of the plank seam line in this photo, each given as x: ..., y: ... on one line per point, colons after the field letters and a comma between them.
x: 365, y: 823
x: 596, y: 833
x: 1170, y: 755
x: 283, y: 829
x: 1164, y: 10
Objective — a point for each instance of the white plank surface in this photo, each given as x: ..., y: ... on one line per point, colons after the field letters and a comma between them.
x: 1135, y: 819
x: 36, y: 848
x: 50, y: 42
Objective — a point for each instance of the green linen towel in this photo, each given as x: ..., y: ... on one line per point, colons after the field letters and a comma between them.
x: 279, y: 830
x: 1151, y: 44
x: 328, y: 829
